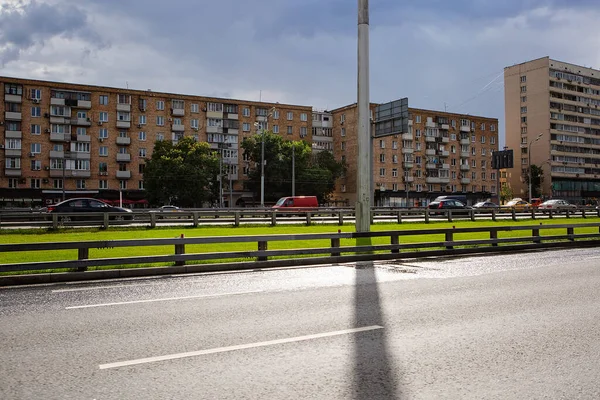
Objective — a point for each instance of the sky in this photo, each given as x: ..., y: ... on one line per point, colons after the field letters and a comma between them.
x: 441, y: 54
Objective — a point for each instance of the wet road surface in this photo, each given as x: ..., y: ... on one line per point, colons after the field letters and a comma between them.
x: 495, y: 327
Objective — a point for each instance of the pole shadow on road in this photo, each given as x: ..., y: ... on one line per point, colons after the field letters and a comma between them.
x: 374, y: 374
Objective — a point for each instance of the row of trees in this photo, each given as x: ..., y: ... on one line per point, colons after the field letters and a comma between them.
x: 187, y: 173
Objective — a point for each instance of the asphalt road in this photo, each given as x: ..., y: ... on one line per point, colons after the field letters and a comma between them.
x: 497, y: 327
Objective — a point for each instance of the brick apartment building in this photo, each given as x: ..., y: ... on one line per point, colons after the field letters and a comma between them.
x: 440, y: 153
x: 62, y: 139
x: 553, y: 121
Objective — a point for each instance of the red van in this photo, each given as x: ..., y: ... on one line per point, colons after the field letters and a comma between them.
x: 297, y: 202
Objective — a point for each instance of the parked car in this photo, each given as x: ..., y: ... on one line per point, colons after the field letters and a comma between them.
x: 89, y: 205
x: 556, y: 205
x: 517, y: 205
x: 297, y: 202
x: 536, y: 201
x: 485, y: 204
x: 441, y: 206
x: 168, y: 211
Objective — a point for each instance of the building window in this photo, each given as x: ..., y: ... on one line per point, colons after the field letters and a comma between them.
x: 142, y: 136
x: 103, y: 100
x: 246, y: 112
x: 382, y: 158
x: 36, y: 129
x: 381, y: 144
x: 523, y: 89
x: 303, y: 117
x: 123, y: 185
x: 342, y: 118
x: 160, y: 105
x: 214, y: 107
x: 483, y: 151
x: 482, y: 127
x: 290, y: 116
x: 290, y: 130
x: 103, y: 151
x: 492, y: 140
x: 36, y: 165
x: 523, y: 79
x: 36, y: 94
x: 395, y: 158
x: 36, y: 111
x: 483, y: 139
x: 382, y: 172
x: 57, y: 183
x: 493, y: 128
x: 417, y: 133
x: 194, y: 123
x: 141, y: 168
x: 275, y: 128
x: 194, y: 107
x: 276, y: 114
x: 523, y: 110
x: 160, y: 137
x: 343, y: 188
x: 418, y: 119
x: 80, y: 183
x: 103, y: 133
x: 160, y: 120
x: 524, y: 120
x: 36, y: 148
x: 142, y: 152
x: 103, y: 116
x: 35, y: 183
x: 303, y: 131
x: 246, y: 127
x: 142, y: 120
x: 523, y: 99
x: 141, y: 185
x: 394, y: 172
x: 343, y: 132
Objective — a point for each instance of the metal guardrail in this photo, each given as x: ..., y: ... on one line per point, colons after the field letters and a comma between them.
x: 448, y: 244
x: 237, y: 217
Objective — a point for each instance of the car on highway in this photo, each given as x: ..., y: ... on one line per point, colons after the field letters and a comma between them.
x: 485, y: 204
x: 556, y: 205
x: 168, y: 211
x: 89, y: 205
x: 516, y: 204
x: 442, y: 206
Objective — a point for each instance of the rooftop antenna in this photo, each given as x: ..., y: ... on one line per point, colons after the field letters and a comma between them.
x: 127, y: 85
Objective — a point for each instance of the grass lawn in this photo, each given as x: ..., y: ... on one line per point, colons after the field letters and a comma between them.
x: 80, y: 235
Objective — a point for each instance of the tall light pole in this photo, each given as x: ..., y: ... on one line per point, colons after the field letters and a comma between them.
x: 293, y: 168
x: 364, y: 173
x: 262, y: 157
x: 538, y: 137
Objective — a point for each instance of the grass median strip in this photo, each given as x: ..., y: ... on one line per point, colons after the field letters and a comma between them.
x: 79, y: 235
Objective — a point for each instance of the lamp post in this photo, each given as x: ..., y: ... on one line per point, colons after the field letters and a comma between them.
x: 538, y: 137
x: 293, y: 169
x: 262, y: 157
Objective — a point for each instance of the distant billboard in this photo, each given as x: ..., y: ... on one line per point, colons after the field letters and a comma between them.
x: 502, y: 159
x: 391, y: 118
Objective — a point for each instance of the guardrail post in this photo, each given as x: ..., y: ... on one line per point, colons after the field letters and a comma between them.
x: 493, y: 214
x: 152, y: 220
x: 335, y: 242
x: 568, y: 213
x: 550, y: 215
x: 427, y: 215
x: 55, y: 220
x: 514, y: 215
x: 180, y: 249
x: 395, y: 239
x: 472, y: 213
x: 105, y: 222
x: 583, y: 213
x: 273, y: 218
x: 372, y: 217
x: 262, y: 246
x: 340, y: 218
x: 535, y: 232
x: 532, y: 213
x: 399, y: 217
x: 308, y: 218
x: 449, y: 215
x: 83, y: 254
x: 236, y: 215
x: 571, y: 233
x: 494, y: 235
x: 195, y: 219
x: 449, y: 238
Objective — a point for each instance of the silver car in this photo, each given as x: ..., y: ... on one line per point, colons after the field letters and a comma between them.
x: 556, y: 205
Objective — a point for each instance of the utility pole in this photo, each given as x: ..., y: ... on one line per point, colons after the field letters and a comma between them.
x: 293, y: 169
x: 364, y: 173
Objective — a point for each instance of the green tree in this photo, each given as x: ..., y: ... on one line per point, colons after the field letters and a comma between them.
x: 537, y: 178
x: 315, y: 175
x: 506, y: 193
x: 184, y: 174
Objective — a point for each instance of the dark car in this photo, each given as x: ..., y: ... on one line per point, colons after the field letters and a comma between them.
x: 441, y: 206
x: 89, y: 205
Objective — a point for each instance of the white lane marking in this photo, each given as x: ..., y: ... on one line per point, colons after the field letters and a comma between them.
x: 102, y: 287
x: 163, y: 299
x: 237, y: 347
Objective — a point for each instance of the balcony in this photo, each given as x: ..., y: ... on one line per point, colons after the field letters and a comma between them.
x: 445, y: 180
x: 123, y: 157
x: 444, y: 127
x: 57, y: 102
x: 81, y: 121
x: 84, y: 138
x: 59, y: 137
x: 13, y: 134
x: 123, y: 174
x: 79, y: 155
x: 465, y: 181
x: 444, y: 166
x: 430, y: 139
x: 14, y: 116
x: 177, y: 127
x: 12, y: 98
x: 261, y: 118
x: 431, y: 124
x: 124, y: 107
x: 57, y: 154
x: 407, y: 136
x: 430, y: 152
x: 465, y: 167
x: 79, y: 173
x: 444, y: 153
x: 431, y: 166
x: 408, y: 179
x: 57, y: 173
x: 124, y: 124
x: 465, y: 154
x: 465, y: 142
x: 60, y: 120
x: 12, y: 172
x: 87, y: 104
x: 465, y: 128
x: 407, y: 150
x: 177, y: 112
x: 12, y: 152
x: 445, y: 139
x: 124, y: 141
x: 407, y: 164
x: 433, y: 179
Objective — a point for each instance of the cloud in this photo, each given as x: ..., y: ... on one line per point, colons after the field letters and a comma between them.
x: 24, y: 25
